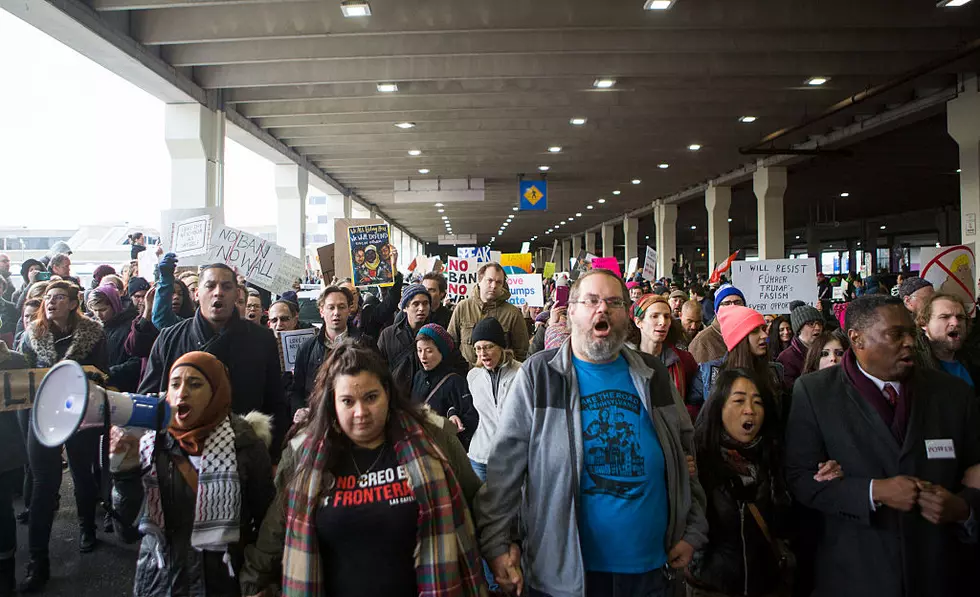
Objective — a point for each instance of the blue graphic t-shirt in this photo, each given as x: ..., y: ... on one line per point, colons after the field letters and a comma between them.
x: 956, y: 368
x: 623, y: 518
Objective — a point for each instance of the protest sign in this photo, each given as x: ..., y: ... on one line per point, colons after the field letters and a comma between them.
x: 341, y: 253
x: 481, y: 254
x: 170, y: 217
x: 520, y: 261
x: 255, y: 258
x: 650, y: 265
x: 951, y: 271
x: 291, y: 341
x: 495, y: 256
x: 549, y: 269
x: 770, y: 285
x: 370, y: 255
x: 525, y: 288
x: 325, y: 255
x: 191, y: 237
x: 631, y: 268
x: 290, y: 270
x: 609, y: 263
x: 146, y: 262
x: 461, y: 276
x: 837, y: 293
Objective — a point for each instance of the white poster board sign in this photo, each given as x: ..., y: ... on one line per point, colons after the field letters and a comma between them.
x: 257, y: 259
x: 631, y: 267
x: 952, y: 270
x: 147, y: 261
x: 770, y: 285
x: 838, y: 293
x: 170, y: 217
x: 525, y: 288
x: 461, y: 276
x: 290, y: 270
x: 191, y: 237
x: 291, y: 341
x: 650, y: 265
x: 481, y: 254
x: 495, y: 256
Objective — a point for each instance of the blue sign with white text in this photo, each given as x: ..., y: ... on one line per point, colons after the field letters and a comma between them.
x: 534, y: 195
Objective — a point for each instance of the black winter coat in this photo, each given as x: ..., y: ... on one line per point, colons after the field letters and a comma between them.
x: 12, y: 452
x: 249, y: 351
x: 309, y: 357
x: 375, y: 317
x: 189, y: 572
x: 124, y: 368
x: 397, y: 346
x: 452, y: 398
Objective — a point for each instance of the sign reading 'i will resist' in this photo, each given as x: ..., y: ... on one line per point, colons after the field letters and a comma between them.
x: 771, y: 285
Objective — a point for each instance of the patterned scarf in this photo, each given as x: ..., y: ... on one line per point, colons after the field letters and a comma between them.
x: 741, y: 458
x: 447, y: 562
x: 219, y: 498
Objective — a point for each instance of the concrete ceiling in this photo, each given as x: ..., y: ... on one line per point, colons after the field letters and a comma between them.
x: 491, y: 84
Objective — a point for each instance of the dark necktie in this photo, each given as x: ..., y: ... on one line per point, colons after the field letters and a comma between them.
x: 890, y: 395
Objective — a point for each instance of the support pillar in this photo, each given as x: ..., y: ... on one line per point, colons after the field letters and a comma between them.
x: 292, y: 183
x: 195, y: 138
x: 348, y: 207
x: 373, y: 214
x: 665, y: 219
x: 576, y: 245
x: 718, y: 201
x: 566, y: 254
x: 813, y: 244
x: 590, y: 242
x: 871, y: 244
x: 630, y: 229
x: 963, y: 124
x: 608, y: 236
x: 769, y: 184
x: 852, y: 264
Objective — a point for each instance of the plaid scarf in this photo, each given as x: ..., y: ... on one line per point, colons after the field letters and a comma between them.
x: 447, y: 562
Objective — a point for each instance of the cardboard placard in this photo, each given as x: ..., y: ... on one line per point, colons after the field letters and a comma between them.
x: 521, y: 261
x: 291, y: 341
x: 191, y: 237
x: 325, y: 255
x: 650, y: 265
x: 257, y: 259
x: 170, y: 217
x: 290, y: 270
x: 341, y: 264
x: 525, y: 288
x: 461, y: 276
x: 18, y: 387
x: 370, y: 254
x: 770, y: 285
x: 952, y: 270
x: 549, y: 269
x: 609, y: 263
x: 631, y: 268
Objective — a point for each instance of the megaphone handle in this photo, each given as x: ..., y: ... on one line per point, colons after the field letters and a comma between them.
x: 106, y: 476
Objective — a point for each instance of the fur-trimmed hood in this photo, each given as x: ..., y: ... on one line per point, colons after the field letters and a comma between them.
x: 88, y: 333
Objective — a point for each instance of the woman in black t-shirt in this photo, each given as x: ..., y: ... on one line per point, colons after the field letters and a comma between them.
x: 373, y: 496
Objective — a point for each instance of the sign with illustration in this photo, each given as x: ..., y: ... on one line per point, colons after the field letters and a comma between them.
x: 952, y: 270
x: 370, y: 255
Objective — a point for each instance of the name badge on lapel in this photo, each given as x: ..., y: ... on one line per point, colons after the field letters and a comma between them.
x: 940, y: 448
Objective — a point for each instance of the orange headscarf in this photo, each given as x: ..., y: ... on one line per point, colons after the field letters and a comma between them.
x: 213, y: 370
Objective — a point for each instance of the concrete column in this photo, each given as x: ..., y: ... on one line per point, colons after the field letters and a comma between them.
x: 608, y: 236
x: 853, y: 265
x: 348, y: 207
x: 373, y: 214
x: 963, y: 124
x: 195, y: 138
x: 292, y: 183
x: 576, y: 245
x: 566, y: 253
x: 665, y: 219
x: 718, y: 201
x: 630, y: 230
x: 813, y: 244
x: 769, y: 184
x: 590, y: 242
x: 871, y: 244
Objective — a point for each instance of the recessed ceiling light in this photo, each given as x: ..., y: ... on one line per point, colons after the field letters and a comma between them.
x: 959, y: 170
x: 603, y: 83
x: 658, y: 4
x: 617, y: 192
x: 845, y: 194
x: 570, y: 218
x: 515, y: 209
x: 601, y: 201
x: 729, y: 219
x: 882, y: 227
x: 387, y: 87
x: 951, y: 3
x: 797, y: 237
x: 817, y: 81
x: 562, y: 222
x: 578, y: 214
x: 355, y: 8
x: 588, y: 207
x: 440, y: 210
x: 405, y: 125
x: 636, y: 181
x: 544, y: 168
x: 694, y: 147
x: 694, y: 227
x: 423, y: 170
x: 746, y: 119
x: 445, y: 217
x: 663, y: 166
x: 555, y: 149
x: 578, y: 121
x: 439, y: 205
x: 415, y: 152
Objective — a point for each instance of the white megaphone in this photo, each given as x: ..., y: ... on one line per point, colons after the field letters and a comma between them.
x: 67, y: 402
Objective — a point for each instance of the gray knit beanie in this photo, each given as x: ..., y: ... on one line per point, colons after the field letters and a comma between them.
x: 803, y: 315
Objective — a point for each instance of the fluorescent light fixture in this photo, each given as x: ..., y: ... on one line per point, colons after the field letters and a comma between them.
x: 746, y: 119
x: 415, y: 152
x: 555, y: 149
x: 589, y: 207
x: 603, y: 83
x: 601, y: 201
x: 544, y: 168
x: 663, y: 166
x: 658, y: 4
x: 405, y: 125
x: 845, y: 194
x: 636, y: 181
x: 951, y: 3
x: 355, y: 8
x: 817, y: 81
x: 578, y: 121
x: 694, y: 147
x: 578, y: 214
x: 387, y: 87
x: 423, y: 170
x: 616, y: 192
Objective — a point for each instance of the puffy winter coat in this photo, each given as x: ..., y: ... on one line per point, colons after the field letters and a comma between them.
x: 86, y: 344
x: 12, y: 452
x: 489, y: 390
x: 124, y: 367
x: 472, y: 311
x: 792, y: 359
x: 452, y: 398
x: 187, y: 571
x: 397, y: 346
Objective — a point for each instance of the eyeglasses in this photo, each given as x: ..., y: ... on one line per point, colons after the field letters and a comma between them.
x: 593, y: 302
x: 729, y: 303
x: 484, y: 349
x: 55, y: 298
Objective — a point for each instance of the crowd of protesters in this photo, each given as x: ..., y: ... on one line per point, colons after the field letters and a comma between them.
x: 630, y: 437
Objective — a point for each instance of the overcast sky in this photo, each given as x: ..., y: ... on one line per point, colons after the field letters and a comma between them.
x: 81, y: 145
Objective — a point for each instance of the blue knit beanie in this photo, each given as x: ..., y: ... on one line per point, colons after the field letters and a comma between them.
x: 439, y: 335
x: 410, y: 292
x: 726, y: 290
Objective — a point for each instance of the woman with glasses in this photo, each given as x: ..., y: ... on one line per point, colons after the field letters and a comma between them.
x: 60, y: 331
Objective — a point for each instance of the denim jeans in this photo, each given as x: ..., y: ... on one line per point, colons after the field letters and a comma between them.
x: 481, y: 472
x: 607, y: 584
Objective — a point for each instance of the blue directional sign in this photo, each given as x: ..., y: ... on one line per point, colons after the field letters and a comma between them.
x: 534, y: 195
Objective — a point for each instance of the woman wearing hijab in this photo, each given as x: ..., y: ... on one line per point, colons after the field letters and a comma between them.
x: 107, y: 307
x: 438, y: 386
x: 373, y: 497
x: 196, y: 490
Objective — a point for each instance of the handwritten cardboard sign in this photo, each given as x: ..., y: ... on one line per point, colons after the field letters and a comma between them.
x: 650, y: 265
x: 770, y: 285
x: 191, y: 237
x: 525, y: 288
x: 461, y: 276
x: 257, y: 259
x: 291, y: 341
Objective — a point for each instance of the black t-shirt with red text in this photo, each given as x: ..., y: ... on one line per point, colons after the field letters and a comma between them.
x: 368, y: 527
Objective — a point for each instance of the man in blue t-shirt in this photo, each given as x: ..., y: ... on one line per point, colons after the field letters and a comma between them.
x: 943, y: 321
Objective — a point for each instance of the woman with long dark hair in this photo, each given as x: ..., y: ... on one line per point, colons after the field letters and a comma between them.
x: 372, y: 496
x: 826, y: 350
x: 659, y: 336
x: 780, y: 336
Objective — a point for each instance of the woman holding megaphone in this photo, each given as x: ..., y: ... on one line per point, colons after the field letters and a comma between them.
x: 197, y: 490
x: 60, y: 331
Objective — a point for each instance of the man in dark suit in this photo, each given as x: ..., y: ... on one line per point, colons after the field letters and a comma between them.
x: 894, y: 525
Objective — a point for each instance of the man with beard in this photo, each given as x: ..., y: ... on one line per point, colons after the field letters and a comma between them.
x: 691, y: 320
x: 895, y: 524
x: 943, y: 323
x: 629, y: 516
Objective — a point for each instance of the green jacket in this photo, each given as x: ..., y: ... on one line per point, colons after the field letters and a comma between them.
x: 263, y: 560
x: 471, y: 311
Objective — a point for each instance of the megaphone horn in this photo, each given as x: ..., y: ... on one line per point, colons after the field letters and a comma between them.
x: 68, y: 401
